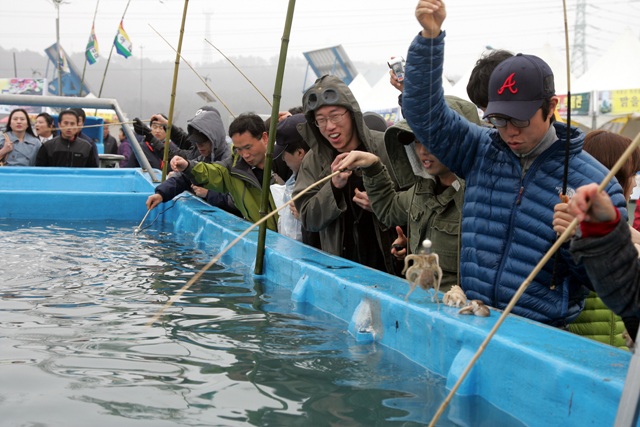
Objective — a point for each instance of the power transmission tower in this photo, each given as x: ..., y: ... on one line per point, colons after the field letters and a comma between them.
x: 579, y: 54
x: 207, y: 53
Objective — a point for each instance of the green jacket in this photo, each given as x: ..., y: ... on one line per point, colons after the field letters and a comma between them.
x: 599, y: 323
x: 237, y: 180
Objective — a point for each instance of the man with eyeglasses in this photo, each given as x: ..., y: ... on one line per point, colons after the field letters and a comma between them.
x: 340, y: 209
x: 242, y: 179
x: 514, y: 174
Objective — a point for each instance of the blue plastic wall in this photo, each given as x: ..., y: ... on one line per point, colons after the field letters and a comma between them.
x: 73, y: 193
x: 541, y: 375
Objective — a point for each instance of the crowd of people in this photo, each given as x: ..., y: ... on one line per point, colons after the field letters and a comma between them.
x: 489, y: 190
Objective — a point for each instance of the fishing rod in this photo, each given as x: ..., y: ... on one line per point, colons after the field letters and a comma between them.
x: 139, y: 227
x: 567, y: 144
x: 216, y: 258
x: 563, y: 237
x: 176, y: 68
x: 196, y: 73
x: 277, y: 95
x: 240, y: 71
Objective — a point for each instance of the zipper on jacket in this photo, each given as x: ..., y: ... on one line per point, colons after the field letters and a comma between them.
x: 519, y: 199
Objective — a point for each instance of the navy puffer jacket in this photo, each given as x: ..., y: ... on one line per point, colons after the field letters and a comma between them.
x: 507, y: 219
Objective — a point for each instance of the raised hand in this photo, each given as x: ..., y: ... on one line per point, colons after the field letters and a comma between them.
x: 431, y: 15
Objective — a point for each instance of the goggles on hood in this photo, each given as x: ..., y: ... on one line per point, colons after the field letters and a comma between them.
x: 315, y: 98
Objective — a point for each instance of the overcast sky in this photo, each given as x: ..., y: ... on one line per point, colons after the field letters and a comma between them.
x: 369, y: 30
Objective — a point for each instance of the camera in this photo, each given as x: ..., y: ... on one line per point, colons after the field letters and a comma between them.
x: 397, y: 65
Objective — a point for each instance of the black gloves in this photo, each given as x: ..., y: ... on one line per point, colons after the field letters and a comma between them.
x: 142, y: 129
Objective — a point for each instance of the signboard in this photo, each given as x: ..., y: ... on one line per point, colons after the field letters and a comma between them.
x: 625, y: 101
x: 17, y: 86
x: 579, y: 104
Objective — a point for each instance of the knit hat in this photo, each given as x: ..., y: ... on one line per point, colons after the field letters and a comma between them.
x: 518, y: 86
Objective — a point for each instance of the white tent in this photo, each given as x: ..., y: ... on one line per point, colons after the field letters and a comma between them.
x: 360, y: 87
x: 383, y: 96
x: 616, y: 69
x: 555, y: 61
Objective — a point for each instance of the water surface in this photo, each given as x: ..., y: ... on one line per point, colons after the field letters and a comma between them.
x: 234, y: 350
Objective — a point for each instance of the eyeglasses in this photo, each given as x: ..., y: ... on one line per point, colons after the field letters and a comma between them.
x: 334, y: 118
x: 501, y: 122
x: 157, y: 126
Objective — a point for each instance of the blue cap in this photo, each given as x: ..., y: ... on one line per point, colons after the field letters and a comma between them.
x: 517, y: 87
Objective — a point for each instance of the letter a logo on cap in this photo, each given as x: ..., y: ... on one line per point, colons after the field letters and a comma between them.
x: 510, y: 84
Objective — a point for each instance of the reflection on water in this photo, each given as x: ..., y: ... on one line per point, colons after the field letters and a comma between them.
x: 234, y: 350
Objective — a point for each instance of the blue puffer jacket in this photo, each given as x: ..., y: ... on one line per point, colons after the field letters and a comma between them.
x: 507, y: 219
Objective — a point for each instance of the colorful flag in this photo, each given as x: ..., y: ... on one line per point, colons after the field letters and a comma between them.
x: 122, y: 42
x: 91, y: 52
x: 62, y: 60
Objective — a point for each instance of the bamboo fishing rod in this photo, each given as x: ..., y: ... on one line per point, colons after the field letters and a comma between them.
x: 240, y: 71
x: 216, y: 258
x: 523, y: 287
x: 277, y: 95
x: 196, y: 73
x: 176, y: 68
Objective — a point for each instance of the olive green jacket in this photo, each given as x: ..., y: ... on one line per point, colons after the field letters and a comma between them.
x: 428, y: 215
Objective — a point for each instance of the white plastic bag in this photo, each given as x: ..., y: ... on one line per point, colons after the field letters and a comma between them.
x: 288, y: 225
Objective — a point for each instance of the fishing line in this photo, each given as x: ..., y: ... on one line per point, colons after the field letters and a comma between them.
x: 194, y: 70
x: 216, y: 258
x: 175, y: 199
x: 240, y: 71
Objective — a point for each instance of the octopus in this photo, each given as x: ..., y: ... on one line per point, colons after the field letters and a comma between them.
x: 424, y: 271
x: 455, y: 297
x: 475, y: 307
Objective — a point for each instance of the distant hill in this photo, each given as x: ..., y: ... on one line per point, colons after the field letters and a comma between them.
x: 145, y: 89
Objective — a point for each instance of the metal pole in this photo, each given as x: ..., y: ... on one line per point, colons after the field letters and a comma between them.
x: 627, y: 415
x: 141, y: 55
x: 57, y: 2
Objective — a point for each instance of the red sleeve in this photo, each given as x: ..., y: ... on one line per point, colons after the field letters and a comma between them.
x: 598, y: 229
x: 636, y: 216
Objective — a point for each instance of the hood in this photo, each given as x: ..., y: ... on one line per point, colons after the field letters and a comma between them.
x: 401, y: 150
x: 330, y: 90
x: 210, y: 124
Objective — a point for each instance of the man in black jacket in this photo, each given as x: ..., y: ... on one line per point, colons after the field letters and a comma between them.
x: 67, y: 149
